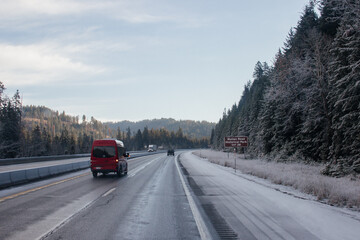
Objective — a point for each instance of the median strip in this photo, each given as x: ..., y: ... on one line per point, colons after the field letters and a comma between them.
x: 39, y: 188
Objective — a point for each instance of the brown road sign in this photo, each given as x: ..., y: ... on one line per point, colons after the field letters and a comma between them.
x: 240, y: 141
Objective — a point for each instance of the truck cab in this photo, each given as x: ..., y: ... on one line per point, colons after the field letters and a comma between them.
x: 108, y: 155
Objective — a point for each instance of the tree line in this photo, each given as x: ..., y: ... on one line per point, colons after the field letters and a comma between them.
x: 27, y: 131
x: 307, y: 105
x: 10, y: 124
x: 190, y: 128
x: 161, y: 137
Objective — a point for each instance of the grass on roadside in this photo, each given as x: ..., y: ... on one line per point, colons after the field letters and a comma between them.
x: 306, y: 178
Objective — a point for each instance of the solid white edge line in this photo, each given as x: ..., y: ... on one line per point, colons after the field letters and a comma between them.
x: 108, y: 192
x: 203, y: 230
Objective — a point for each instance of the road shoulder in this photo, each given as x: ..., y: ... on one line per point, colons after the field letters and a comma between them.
x: 258, y: 211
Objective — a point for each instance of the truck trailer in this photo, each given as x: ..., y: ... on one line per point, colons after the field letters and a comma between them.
x: 152, y: 148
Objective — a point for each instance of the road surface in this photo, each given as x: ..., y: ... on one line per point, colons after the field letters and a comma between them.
x: 147, y: 203
x: 161, y: 198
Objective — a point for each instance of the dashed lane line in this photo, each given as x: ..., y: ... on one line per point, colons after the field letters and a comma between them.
x: 108, y: 192
x: 138, y: 169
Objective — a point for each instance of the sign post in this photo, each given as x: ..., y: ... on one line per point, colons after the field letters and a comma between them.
x: 235, y: 142
x: 235, y: 150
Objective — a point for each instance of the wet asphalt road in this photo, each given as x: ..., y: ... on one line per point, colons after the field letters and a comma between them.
x: 152, y: 202
x: 148, y: 203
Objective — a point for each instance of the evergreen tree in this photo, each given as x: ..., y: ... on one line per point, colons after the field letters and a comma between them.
x: 37, y: 142
x: 46, y: 139
x: 138, y: 141
x: 145, y: 135
x: 72, y: 144
x: 119, y: 134
x: 212, y: 136
x: 2, y: 89
x: 64, y: 141
x: 10, y: 126
x: 331, y: 14
x: 345, y: 89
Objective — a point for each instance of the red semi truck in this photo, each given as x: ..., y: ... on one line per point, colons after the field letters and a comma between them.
x: 108, y: 155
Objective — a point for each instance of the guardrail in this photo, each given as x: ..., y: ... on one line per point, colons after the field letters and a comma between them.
x: 17, y: 177
x: 11, y: 161
x: 26, y: 175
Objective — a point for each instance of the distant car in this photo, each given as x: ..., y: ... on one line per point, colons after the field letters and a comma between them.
x: 171, y: 152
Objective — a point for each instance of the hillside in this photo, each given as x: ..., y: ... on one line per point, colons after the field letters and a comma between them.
x: 192, y: 129
x: 38, y: 130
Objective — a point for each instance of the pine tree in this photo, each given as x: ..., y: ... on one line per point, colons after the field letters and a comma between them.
x: 145, y: 135
x: 212, y: 136
x: 138, y: 141
x: 64, y: 141
x: 118, y: 134
x: 345, y: 89
x: 10, y: 126
x: 332, y: 12
x: 2, y: 88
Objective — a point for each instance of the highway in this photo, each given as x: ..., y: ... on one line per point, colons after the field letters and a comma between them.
x: 149, y: 201
x: 162, y: 198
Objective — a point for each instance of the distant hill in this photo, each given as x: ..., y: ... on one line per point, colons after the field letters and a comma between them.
x: 44, y: 116
x: 192, y: 129
x: 44, y: 131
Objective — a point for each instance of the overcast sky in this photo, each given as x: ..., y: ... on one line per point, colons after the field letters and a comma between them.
x: 139, y: 59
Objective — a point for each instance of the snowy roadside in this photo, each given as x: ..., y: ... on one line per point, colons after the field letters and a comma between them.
x: 254, y: 208
x: 297, y: 179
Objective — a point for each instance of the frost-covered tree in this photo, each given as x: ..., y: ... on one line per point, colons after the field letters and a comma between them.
x: 332, y: 12
x: 2, y: 88
x: 310, y: 109
x: 316, y: 131
x: 345, y: 89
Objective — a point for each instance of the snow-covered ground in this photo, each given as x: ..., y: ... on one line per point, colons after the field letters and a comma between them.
x: 302, y: 177
x: 255, y: 208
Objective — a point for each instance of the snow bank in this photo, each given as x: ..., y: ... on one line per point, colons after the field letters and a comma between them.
x: 305, y: 178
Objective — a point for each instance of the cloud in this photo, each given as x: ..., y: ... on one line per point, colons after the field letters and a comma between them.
x: 141, y: 18
x: 24, y: 8
x: 124, y: 10
x: 136, y: 12
x: 39, y: 63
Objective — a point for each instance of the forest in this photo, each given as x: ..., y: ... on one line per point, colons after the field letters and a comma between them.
x: 192, y: 129
x: 27, y: 131
x: 306, y: 105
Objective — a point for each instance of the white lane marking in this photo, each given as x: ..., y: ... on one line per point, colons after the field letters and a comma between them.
x: 138, y: 169
x: 108, y: 192
x: 203, y: 230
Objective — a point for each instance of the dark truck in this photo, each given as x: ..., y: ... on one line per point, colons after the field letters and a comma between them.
x: 171, y: 152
